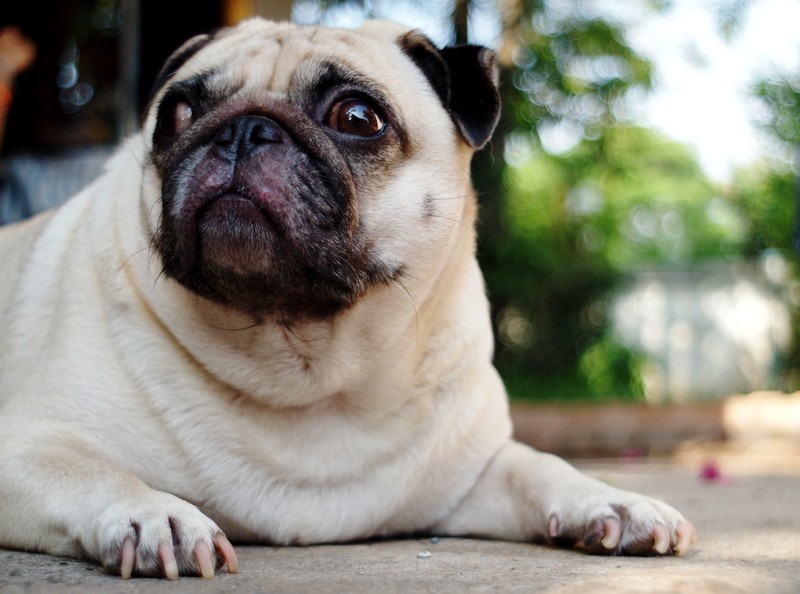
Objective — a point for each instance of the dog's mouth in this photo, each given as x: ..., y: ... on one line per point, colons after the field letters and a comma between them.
x: 233, y: 232
x: 233, y: 210
x: 231, y: 205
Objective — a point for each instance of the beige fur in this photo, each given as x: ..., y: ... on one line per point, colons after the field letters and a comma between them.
x: 128, y: 403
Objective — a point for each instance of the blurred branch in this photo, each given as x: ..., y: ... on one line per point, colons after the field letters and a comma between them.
x: 730, y: 15
x: 510, y: 16
x: 782, y: 99
x: 460, y: 19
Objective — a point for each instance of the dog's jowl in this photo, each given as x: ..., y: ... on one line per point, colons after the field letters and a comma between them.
x: 266, y: 324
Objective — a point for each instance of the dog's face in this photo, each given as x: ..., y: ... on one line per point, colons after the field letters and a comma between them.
x: 299, y: 167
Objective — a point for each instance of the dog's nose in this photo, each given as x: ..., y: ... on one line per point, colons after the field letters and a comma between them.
x: 245, y: 135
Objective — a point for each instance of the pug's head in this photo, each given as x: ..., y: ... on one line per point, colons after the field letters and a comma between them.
x: 300, y: 167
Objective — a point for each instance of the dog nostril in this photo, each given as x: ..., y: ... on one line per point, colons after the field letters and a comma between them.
x: 264, y: 132
x: 245, y: 134
x: 225, y: 136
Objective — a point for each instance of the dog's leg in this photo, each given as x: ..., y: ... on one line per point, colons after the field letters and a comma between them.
x: 527, y: 495
x: 63, y: 500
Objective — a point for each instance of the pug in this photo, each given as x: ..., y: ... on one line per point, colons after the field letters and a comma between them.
x: 265, y: 323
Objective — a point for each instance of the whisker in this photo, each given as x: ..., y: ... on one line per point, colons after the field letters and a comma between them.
x: 288, y: 329
x: 131, y: 257
x: 448, y: 198
x: 415, y: 278
x: 456, y: 221
x: 414, y: 303
x: 142, y: 159
x: 255, y: 324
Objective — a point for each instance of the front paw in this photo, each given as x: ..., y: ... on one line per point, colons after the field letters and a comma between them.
x: 161, y: 536
x: 621, y: 523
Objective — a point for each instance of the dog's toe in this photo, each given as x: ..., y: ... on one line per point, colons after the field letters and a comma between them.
x: 636, y: 526
x: 165, y: 537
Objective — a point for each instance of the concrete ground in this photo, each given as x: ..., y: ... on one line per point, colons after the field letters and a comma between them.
x: 749, y: 527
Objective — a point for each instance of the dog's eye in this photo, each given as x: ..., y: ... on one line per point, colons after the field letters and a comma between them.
x: 184, y: 116
x: 356, y: 117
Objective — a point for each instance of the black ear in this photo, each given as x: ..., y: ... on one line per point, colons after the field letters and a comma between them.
x: 176, y: 60
x: 466, y: 80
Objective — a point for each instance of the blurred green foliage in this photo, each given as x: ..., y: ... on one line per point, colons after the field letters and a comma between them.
x: 552, y: 224
x: 573, y: 225
x: 781, y: 96
x: 568, y: 225
x: 572, y: 68
x: 770, y: 193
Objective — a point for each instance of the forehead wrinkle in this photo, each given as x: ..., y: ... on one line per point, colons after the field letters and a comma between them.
x: 300, y: 47
x: 259, y: 63
x: 347, y: 50
x: 261, y: 53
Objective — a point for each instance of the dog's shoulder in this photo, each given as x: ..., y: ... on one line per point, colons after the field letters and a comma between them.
x: 17, y: 242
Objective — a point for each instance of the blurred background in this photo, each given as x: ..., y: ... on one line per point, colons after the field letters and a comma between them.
x: 638, y: 203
